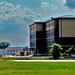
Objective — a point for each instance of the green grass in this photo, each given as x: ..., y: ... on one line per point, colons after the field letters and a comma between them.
x: 25, y: 58
x: 34, y: 58
x: 9, y: 67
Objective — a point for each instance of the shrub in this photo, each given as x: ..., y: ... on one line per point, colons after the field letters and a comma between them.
x: 56, y: 50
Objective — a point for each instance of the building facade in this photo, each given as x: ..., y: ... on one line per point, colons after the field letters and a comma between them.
x: 57, y: 30
x: 17, y: 51
x: 66, y: 31
x: 37, y: 37
x: 49, y: 33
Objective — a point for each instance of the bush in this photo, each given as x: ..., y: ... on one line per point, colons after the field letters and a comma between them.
x: 55, y: 51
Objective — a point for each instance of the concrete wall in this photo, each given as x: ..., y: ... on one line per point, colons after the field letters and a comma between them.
x: 1, y: 51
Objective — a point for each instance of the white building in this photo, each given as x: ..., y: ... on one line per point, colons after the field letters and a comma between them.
x: 16, y: 51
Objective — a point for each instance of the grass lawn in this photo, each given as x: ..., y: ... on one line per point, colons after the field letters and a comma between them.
x: 36, y: 68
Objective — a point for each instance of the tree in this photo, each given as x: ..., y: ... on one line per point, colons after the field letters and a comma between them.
x: 56, y: 50
x: 70, y: 51
x: 4, y: 45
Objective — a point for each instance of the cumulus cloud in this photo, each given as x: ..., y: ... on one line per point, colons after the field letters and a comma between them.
x: 18, y: 18
x: 62, y: 1
x: 67, y: 6
x: 55, y: 8
x: 14, y: 21
x: 44, y: 4
x: 19, y: 14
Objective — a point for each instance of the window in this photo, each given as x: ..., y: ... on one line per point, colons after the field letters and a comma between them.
x: 52, y: 25
x: 30, y: 43
x: 30, y: 28
x: 47, y: 24
x: 34, y: 28
x: 16, y: 50
x: 10, y: 50
x: 30, y: 36
x: 10, y: 53
x: 23, y: 49
x: 7, y: 50
x: 48, y: 34
x: 13, y: 50
x: 51, y: 41
x: 7, y: 53
x: 34, y: 36
x: 52, y: 33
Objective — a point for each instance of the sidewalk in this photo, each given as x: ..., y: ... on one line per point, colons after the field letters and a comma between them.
x: 44, y: 60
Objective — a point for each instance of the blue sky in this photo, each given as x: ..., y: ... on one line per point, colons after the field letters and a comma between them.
x: 16, y: 15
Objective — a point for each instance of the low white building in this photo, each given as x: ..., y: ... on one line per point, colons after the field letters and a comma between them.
x: 1, y: 52
x: 17, y: 51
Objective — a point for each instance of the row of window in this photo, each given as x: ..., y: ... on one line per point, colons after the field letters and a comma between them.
x: 49, y: 42
x: 14, y: 50
x: 10, y: 53
x: 32, y: 36
x: 32, y: 29
x: 50, y: 33
x: 50, y: 24
x: 32, y: 44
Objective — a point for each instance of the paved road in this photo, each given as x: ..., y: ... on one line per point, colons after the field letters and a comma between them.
x: 44, y: 60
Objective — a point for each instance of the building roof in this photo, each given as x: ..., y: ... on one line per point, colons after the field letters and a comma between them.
x: 17, y: 48
x: 60, y: 17
x: 37, y: 23
x: 66, y: 16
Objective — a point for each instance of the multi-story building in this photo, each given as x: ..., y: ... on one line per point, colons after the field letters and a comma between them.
x: 60, y: 30
x: 49, y: 33
x: 65, y: 31
x: 37, y: 37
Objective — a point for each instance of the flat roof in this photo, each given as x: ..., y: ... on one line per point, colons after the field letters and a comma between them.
x: 37, y: 23
x: 67, y: 16
x: 63, y: 17
x: 52, y: 18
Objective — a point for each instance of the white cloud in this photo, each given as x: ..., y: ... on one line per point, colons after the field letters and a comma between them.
x: 62, y: 1
x: 19, y: 14
x: 44, y: 4
x: 66, y: 9
x: 55, y: 8
x: 23, y: 15
x: 73, y: 11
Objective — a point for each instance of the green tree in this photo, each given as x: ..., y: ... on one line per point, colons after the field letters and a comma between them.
x: 55, y: 50
x: 69, y: 51
x: 4, y: 45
